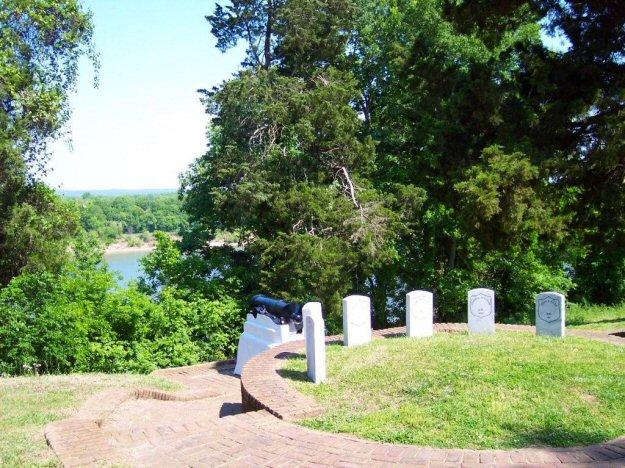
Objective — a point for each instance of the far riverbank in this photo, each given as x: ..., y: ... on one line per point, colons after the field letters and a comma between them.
x: 125, y: 248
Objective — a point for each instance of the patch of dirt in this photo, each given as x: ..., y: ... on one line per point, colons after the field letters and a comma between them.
x: 589, y: 398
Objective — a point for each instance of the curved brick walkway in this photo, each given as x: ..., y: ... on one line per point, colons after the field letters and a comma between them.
x: 206, y: 425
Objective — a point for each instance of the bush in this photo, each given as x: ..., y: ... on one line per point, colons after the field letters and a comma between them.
x: 80, y: 321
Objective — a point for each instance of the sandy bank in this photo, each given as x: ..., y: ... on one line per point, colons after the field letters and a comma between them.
x: 123, y: 247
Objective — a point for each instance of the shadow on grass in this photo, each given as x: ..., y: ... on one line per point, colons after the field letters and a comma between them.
x: 290, y: 355
x: 295, y: 375
x: 591, y: 322
x: 557, y: 437
x: 299, y: 376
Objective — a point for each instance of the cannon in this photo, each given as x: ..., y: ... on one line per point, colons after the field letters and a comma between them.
x: 278, y: 310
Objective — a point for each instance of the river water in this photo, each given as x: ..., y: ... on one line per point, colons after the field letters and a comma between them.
x: 126, y: 263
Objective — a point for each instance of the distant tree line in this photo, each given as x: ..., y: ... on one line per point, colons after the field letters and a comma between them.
x: 112, y: 216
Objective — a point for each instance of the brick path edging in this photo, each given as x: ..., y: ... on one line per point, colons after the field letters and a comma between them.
x: 264, y: 387
x: 195, y: 429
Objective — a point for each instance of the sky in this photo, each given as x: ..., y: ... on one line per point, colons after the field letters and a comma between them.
x: 144, y: 124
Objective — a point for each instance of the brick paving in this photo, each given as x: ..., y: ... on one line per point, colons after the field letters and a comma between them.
x: 206, y: 425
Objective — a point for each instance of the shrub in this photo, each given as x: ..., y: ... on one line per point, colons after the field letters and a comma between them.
x: 79, y: 320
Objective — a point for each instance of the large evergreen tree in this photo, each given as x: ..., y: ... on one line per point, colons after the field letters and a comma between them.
x: 382, y: 146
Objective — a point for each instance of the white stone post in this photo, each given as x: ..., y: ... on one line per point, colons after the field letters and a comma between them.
x: 315, y: 342
x: 419, y: 314
x: 550, y: 314
x: 356, y: 320
x: 308, y: 309
x: 481, y: 311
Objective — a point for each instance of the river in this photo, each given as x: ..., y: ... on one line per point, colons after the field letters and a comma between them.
x: 126, y: 262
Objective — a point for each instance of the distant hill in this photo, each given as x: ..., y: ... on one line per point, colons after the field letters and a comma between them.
x: 115, y: 192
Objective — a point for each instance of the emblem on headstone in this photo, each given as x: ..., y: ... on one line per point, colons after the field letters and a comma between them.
x: 358, y: 320
x: 423, y: 299
x: 549, y: 309
x: 481, y: 305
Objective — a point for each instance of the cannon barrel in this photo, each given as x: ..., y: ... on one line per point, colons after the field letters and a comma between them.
x: 280, y: 311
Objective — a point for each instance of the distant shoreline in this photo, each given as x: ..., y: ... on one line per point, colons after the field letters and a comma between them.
x: 122, y: 247
x: 120, y: 250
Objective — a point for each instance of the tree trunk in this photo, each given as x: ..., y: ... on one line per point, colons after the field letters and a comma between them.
x: 268, y: 33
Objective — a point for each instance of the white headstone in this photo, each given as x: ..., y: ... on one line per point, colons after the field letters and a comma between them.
x: 315, y: 342
x: 481, y: 310
x: 356, y: 320
x: 550, y: 314
x: 310, y: 308
x: 419, y: 314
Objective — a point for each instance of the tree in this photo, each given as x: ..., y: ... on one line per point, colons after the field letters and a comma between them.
x: 287, y: 170
x: 250, y: 20
x: 585, y: 98
x: 297, y: 35
x: 485, y: 157
x: 288, y: 166
x: 40, y: 43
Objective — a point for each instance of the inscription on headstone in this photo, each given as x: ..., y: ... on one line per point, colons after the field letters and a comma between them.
x: 315, y: 342
x: 481, y: 310
x: 550, y: 314
x: 419, y: 314
x: 356, y: 320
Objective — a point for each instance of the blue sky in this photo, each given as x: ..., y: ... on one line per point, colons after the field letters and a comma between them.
x: 144, y: 124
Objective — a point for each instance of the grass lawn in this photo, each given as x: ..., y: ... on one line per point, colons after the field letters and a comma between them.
x: 27, y: 404
x: 603, y: 318
x: 504, y: 391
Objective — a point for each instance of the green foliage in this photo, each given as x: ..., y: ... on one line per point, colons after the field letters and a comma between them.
x: 296, y: 35
x: 287, y: 170
x: 37, y: 234
x: 393, y: 145
x: 40, y: 44
x: 111, y: 217
x: 79, y: 320
x: 214, y: 298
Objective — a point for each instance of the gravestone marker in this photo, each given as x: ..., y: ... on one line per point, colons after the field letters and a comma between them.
x: 356, y: 320
x: 419, y: 314
x: 481, y: 311
x: 315, y: 342
x: 550, y: 314
x: 310, y: 308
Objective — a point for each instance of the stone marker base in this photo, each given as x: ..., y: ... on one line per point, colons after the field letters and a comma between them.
x: 260, y: 333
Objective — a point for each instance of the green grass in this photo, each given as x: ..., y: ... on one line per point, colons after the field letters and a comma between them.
x: 27, y: 404
x: 603, y: 318
x: 504, y: 391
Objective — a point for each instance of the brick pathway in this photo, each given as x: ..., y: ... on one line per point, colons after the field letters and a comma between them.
x: 206, y: 425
